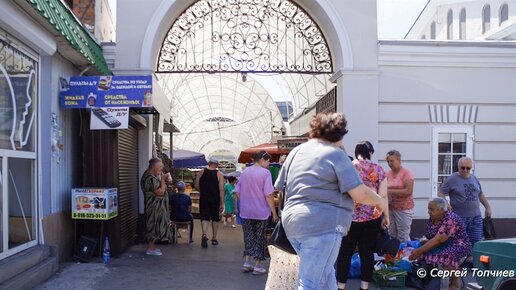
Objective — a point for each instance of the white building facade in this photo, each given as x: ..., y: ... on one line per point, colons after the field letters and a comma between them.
x: 465, y: 20
x: 417, y: 97
x: 439, y: 101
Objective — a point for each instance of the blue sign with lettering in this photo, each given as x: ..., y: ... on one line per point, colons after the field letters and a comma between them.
x: 106, y: 91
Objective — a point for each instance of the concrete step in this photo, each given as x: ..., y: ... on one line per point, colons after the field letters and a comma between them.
x: 16, y: 264
x: 33, y: 276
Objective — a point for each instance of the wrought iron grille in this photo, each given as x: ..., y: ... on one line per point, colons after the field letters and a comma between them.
x: 244, y: 36
x: 328, y: 103
x: 14, y: 61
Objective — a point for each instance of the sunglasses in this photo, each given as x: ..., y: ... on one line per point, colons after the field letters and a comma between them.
x: 266, y: 156
x: 465, y: 168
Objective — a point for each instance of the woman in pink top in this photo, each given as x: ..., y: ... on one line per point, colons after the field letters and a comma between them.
x: 254, y: 190
x: 400, y: 183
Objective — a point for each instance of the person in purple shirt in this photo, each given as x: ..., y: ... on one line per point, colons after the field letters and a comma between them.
x: 254, y: 191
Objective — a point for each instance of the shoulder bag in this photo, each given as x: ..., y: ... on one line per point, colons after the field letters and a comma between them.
x: 386, y: 244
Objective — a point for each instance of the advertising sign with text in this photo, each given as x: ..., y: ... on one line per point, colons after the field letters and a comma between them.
x: 106, y: 91
x: 109, y: 118
x: 94, y: 203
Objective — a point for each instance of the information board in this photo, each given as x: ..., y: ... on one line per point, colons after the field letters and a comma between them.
x: 106, y: 91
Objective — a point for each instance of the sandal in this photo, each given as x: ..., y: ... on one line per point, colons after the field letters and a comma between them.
x: 204, y: 242
x: 214, y: 242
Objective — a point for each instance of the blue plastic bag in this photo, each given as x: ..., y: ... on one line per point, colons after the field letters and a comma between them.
x: 239, y: 220
x: 404, y: 265
x: 354, y: 269
x: 414, y: 244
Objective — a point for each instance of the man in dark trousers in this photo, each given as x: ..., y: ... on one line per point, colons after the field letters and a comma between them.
x: 210, y: 183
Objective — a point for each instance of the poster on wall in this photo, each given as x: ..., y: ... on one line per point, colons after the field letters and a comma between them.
x: 106, y: 91
x: 110, y: 118
x: 94, y: 203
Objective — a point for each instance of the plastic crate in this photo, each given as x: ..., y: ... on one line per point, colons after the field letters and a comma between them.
x: 393, y: 283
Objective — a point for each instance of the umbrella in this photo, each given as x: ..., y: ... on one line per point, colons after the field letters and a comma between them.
x: 186, y: 159
x: 271, y: 148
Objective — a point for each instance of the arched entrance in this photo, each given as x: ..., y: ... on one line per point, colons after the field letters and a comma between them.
x: 228, y: 67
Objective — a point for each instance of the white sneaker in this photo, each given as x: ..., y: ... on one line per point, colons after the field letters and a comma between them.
x: 259, y: 271
x: 153, y: 252
x: 233, y: 226
x: 247, y: 267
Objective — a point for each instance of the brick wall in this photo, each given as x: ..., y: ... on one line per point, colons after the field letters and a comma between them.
x: 85, y: 11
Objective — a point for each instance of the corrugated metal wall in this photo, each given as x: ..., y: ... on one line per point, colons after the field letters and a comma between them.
x: 128, y: 184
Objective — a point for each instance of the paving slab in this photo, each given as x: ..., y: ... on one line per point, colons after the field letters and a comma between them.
x: 182, y: 266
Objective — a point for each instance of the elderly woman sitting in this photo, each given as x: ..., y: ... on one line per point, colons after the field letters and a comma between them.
x: 447, y: 242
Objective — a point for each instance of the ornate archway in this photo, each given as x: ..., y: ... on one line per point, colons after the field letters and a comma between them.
x: 213, y: 60
x: 244, y: 36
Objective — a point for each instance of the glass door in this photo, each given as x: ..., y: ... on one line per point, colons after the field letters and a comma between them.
x: 18, y: 123
x: 22, y: 208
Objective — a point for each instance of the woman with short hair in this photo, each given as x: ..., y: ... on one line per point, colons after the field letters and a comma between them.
x: 400, y: 187
x: 320, y: 189
x: 448, y: 242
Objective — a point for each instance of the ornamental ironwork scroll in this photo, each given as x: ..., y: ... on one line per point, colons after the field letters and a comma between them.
x: 14, y: 61
x: 244, y: 36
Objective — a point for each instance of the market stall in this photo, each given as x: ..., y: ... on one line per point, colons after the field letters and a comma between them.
x: 271, y: 148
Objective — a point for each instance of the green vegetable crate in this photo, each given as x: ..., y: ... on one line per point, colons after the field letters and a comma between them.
x: 390, y: 282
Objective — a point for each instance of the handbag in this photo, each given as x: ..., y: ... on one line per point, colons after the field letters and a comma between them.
x: 386, y: 244
x: 489, y: 230
x: 279, y: 238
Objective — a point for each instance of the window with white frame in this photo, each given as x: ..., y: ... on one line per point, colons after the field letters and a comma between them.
x: 450, y: 144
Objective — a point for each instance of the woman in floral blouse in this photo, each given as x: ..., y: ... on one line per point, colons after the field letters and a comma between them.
x: 367, y: 220
x: 448, y: 242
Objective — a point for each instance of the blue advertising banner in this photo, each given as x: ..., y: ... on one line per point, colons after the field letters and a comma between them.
x: 106, y: 91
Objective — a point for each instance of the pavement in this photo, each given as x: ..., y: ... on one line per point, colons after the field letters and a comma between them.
x: 182, y: 266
